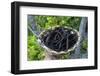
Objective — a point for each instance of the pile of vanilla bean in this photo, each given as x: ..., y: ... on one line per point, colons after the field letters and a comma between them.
x: 59, y: 39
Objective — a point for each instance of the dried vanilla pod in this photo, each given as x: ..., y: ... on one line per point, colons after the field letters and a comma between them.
x: 59, y: 39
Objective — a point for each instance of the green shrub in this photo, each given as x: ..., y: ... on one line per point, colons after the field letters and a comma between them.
x: 45, y: 22
x: 35, y: 51
x: 84, y: 46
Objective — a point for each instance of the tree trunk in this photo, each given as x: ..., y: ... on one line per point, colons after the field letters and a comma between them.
x: 82, y: 32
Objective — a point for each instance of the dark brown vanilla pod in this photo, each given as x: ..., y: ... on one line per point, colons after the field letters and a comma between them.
x: 59, y: 39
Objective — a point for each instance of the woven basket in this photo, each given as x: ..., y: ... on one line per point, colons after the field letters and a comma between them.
x: 50, y: 51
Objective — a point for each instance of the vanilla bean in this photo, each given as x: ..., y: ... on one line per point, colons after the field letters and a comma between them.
x: 59, y: 39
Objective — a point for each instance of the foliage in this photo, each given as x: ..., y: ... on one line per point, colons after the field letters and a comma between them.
x: 35, y: 51
x: 65, y: 56
x: 84, y: 46
x: 45, y: 22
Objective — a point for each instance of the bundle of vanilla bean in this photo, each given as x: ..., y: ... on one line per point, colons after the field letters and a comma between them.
x: 59, y: 39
